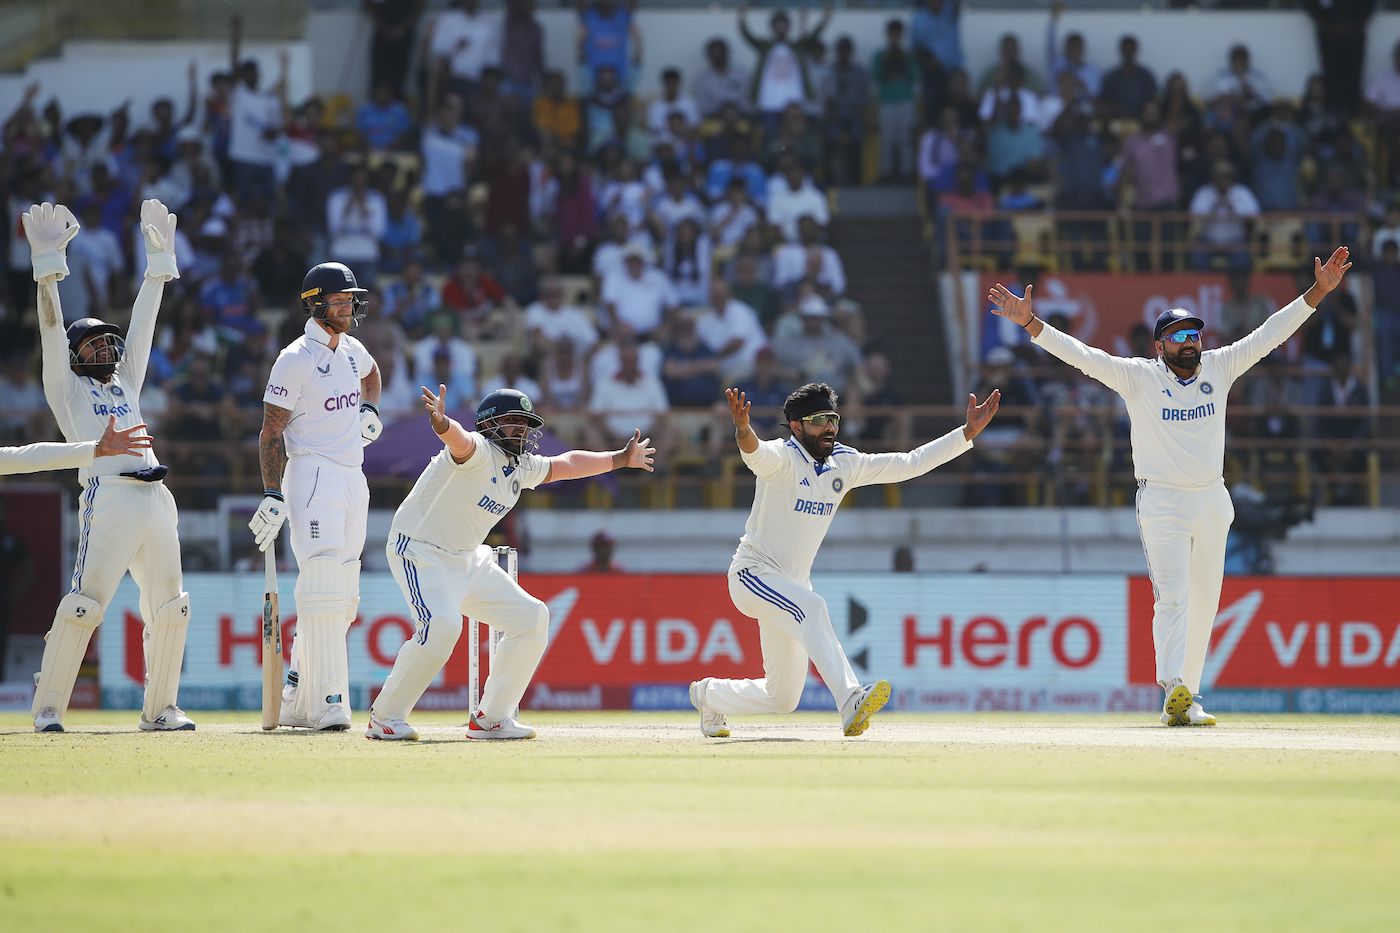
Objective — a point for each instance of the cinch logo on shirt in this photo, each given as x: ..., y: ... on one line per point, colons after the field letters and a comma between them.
x: 812, y: 507
x: 492, y: 506
x: 277, y: 390
x: 337, y: 402
x: 1188, y: 414
x: 119, y: 410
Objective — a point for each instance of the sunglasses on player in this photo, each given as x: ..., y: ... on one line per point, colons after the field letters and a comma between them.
x: 823, y: 418
x: 1182, y: 336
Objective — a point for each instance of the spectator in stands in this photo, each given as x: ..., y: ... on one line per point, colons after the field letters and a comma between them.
x: 255, y: 121
x: 1009, y: 67
x: 676, y: 204
x: 1223, y: 212
x: 969, y: 199
x: 391, y: 44
x: 402, y: 236
x: 791, y: 195
x: 1278, y: 152
x: 1246, y: 87
x: 738, y: 165
x: 940, y: 153
x: 411, y: 298
x: 780, y: 75
x: 1328, y: 332
x: 550, y: 320
x: 1341, y: 44
x: 1140, y: 342
x: 721, y: 83
x: 232, y: 299
x: 809, y: 258
x: 937, y: 46
x: 199, y: 409
x: 820, y: 79
x: 625, y: 400
x: 601, y: 546
x: 685, y: 260
x: 893, y: 73
x: 443, y: 341
x: 356, y: 219
x: 511, y: 375
x: 796, y: 136
x: 607, y: 95
x: 1128, y: 87
x: 1341, y: 432
x: 819, y: 352
x: 448, y: 149
x: 732, y: 330
x: 1009, y: 84
x: 1385, y: 315
x: 1243, y: 309
x: 733, y: 216
x: 873, y: 390
x: 847, y: 113
x: 464, y: 43
x: 1079, y: 167
x: 1073, y: 57
x: 671, y: 100
x: 749, y: 286
x: 770, y: 384
x: 522, y: 54
x: 608, y: 38
x: 576, y: 225
x: 95, y: 266
x: 24, y: 411
x: 473, y: 295
x: 563, y: 377
x: 1383, y: 108
x: 1337, y: 195
x: 637, y: 297
x: 556, y: 116
x: 1013, y: 144
x: 691, y: 370
x: 383, y: 121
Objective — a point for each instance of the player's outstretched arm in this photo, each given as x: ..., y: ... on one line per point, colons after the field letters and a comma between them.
x: 36, y: 457
x: 158, y: 235
x: 740, y: 409
x: 875, y: 469
x: 636, y: 454
x: 455, y: 438
x: 50, y: 228
x: 1114, y: 372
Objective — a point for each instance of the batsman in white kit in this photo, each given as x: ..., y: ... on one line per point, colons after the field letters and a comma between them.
x: 437, y: 557
x: 801, y: 481
x: 127, y: 518
x: 318, y: 415
x: 1176, y: 406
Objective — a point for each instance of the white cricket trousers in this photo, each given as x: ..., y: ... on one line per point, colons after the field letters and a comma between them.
x: 1183, y: 535
x: 328, y: 508
x: 441, y: 587
x: 793, y: 627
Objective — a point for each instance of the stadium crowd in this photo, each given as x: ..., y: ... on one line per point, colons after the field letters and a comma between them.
x: 536, y: 224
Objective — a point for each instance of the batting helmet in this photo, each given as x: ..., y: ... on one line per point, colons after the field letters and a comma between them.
x: 84, y: 329
x: 332, y: 278
x: 504, y: 403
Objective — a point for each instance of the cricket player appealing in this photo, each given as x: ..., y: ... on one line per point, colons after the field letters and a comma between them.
x: 127, y: 517
x: 318, y: 414
x: 1176, y: 405
x: 445, y: 571
x: 801, y: 481
x: 35, y: 458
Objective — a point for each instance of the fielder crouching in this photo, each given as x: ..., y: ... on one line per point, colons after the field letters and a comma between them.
x: 127, y: 517
x: 445, y: 571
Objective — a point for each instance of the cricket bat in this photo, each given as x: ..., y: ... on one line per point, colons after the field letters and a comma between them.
x: 271, y: 645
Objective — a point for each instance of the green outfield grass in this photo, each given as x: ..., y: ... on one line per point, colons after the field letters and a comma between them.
x: 635, y: 822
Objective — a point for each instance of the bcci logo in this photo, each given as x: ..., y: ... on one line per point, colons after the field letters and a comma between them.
x: 117, y: 391
x: 1207, y: 388
x: 515, y: 487
x: 837, y: 484
x: 525, y: 404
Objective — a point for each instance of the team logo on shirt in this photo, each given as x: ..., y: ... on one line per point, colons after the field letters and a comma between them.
x: 515, y: 487
x: 344, y: 400
x: 276, y: 390
x: 117, y: 391
x: 1207, y: 388
x: 837, y: 484
x: 324, y: 370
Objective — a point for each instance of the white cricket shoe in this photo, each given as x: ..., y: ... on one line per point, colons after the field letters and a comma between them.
x: 48, y: 720
x: 712, y: 723
x: 289, y: 718
x: 392, y: 730
x: 479, y: 727
x: 171, y: 719
x: 1177, y: 703
x: 334, y: 719
x: 1196, y: 716
x: 865, y: 704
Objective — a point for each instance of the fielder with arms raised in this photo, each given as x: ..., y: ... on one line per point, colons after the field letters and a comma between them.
x: 1176, y: 405
x: 445, y: 571
x: 801, y: 481
x: 318, y: 414
x: 127, y: 517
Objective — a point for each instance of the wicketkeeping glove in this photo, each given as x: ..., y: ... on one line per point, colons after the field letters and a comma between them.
x: 370, y: 425
x: 267, y: 521
x: 158, y: 230
x: 49, y: 228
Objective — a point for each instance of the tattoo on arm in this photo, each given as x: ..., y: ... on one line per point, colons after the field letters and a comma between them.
x: 272, y: 450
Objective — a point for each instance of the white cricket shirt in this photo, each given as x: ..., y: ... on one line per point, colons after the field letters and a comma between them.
x: 321, y: 388
x: 796, y: 497
x: 1178, y: 426
x: 81, y: 404
x: 454, y: 505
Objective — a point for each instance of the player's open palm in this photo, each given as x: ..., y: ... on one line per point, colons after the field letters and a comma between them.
x: 1007, y: 305
x: 433, y: 403
x: 639, y: 454
x: 979, y: 416
x: 116, y: 442
x: 739, y: 407
x: 1329, y: 274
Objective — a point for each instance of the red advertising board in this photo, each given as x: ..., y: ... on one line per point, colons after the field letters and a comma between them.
x: 1288, y: 633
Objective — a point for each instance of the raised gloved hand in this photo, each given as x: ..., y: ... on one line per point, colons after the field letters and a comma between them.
x: 370, y: 425
x: 267, y: 521
x: 158, y: 230
x: 49, y: 228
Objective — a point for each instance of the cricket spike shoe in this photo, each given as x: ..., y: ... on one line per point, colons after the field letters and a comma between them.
x: 865, y: 704
x: 1177, y: 703
x: 390, y: 730
x: 479, y: 727
x: 171, y: 719
x: 334, y: 719
x: 712, y: 723
x: 48, y: 720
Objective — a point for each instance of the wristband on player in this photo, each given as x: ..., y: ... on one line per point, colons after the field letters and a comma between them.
x: 274, y: 494
x: 370, y: 406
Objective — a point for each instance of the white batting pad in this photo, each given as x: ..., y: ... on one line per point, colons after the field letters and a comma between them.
x: 164, y: 644
x: 64, y: 648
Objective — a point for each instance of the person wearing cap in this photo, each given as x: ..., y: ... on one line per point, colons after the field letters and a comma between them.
x: 127, y: 518
x: 817, y: 350
x: 801, y: 479
x: 1176, y: 407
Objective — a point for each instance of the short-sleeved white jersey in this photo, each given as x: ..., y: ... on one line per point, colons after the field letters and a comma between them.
x: 454, y: 505
x: 1178, y: 426
x: 796, y: 497
x: 321, y: 388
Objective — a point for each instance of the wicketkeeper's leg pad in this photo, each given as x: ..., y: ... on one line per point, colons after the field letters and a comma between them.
x: 164, y: 643
x: 64, y: 648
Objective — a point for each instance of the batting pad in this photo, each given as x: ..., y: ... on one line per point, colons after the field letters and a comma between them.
x: 350, y: 585
x: 324, y: 676
x: 164, y: 643
x: 64, y: 648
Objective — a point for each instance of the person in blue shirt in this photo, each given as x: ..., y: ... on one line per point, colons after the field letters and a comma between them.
x: 608, y: 36
x: 383, y: 121
x: 937, y: 45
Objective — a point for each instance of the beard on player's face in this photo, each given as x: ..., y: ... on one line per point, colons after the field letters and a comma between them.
x: 817, y: 441
x: 1182, y: 355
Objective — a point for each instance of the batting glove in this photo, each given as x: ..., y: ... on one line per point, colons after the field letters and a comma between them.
x: 370, y: 425
x: 49, y: 228
x: 158, y: 230
x: 267, y: 522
